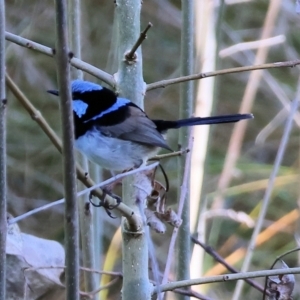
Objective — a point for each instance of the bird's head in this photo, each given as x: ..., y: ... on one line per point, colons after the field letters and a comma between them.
x: 79, y: 88
x: 83, y: 92
x: 91, y: 101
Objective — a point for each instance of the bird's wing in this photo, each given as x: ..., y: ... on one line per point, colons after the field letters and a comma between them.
x: 137, y: 127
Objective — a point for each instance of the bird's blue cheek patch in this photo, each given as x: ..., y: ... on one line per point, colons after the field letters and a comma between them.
x: 119, y: 103
x: 81, y: 86
x: 79, y: 107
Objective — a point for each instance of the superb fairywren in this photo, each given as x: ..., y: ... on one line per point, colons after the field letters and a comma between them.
x: 115, y: 133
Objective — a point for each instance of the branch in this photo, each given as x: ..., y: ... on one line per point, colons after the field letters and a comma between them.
x: 107, y: 286
x: 81, y: 193
x: 278, y: 258
x: 184, y: 189
x: 109, y: 273
x: 191, y: 293
x: 221, y: 278
x: 117, y: 275
x: 71, y: 205
x: 131, y: 54
x: 75, y: 62
x: 168, y: 155
x: 164, y: 83
x: 209, y: 250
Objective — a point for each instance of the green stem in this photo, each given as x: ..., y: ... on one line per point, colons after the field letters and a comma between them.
x: 131, y: 85
x: 186, y: 109
x: 3, y: 217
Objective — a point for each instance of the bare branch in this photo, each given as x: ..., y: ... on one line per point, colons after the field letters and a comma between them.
x: 184, y: 188
x: 116, y: 274
x: 222, y: 278
x: 83, y: 192
x: 164, y: 83
x: 101, y: 288
x: 191, y: 293
x: 75, y: 62
x: 209, y: 250
x: 131, y: 54
x: 69, y: 171
x: 168, y: 155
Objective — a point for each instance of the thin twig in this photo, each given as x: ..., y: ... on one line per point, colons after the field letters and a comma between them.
x: 166, y: 82
x: 81, y: 174
x: 3, y: 162
x: 273, y: 265
x: 265, y: 236
x: 109, y: 273
x: 83, y: 192
x: 101, y: 288
x: 109, y: 79
x: 209, y: 250
x: 245, y: 46
x: 117, y: 274
x: 223, y: 278
x: 69, y: 170
x: 131, y: 54
x: 191, y: 293
x: 184, y: 189
x: 274, y: 87
x: 75, y: 62
x: 168, y: 155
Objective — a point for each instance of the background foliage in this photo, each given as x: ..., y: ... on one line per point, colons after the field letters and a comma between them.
x: 34, y: 165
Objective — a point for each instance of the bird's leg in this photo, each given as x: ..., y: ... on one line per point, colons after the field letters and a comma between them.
x: 104, y: 204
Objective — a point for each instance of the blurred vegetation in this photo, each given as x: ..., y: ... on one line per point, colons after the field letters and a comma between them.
x: 34, y: 165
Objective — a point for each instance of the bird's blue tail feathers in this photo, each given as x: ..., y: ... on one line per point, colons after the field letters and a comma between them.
x: 165, y: 125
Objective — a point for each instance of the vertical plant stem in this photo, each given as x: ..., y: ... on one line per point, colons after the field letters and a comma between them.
x: 3, y: 218
x: 205, y: 43
x: 267, y: 196
x: 87, y: 245
x: 183, y: 192
x: 186, y: 109
x: 98, y: 225
x: 74, y: 18
x: 130, y: 74
x: 69, y: 171
x: 85, y: 211
x: 131, y: 85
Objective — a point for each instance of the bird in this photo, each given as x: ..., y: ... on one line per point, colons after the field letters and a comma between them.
x: 115, y: 133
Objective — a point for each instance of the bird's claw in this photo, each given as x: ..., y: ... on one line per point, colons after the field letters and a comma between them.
x: 104, y: 204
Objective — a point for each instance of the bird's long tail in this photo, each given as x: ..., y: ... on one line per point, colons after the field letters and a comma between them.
x: 165, y: 125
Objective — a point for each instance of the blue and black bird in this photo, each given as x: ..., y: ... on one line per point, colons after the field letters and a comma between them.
x: 116, y: 134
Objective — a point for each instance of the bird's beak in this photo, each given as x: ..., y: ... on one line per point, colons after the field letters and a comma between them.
x: 53, y: 92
